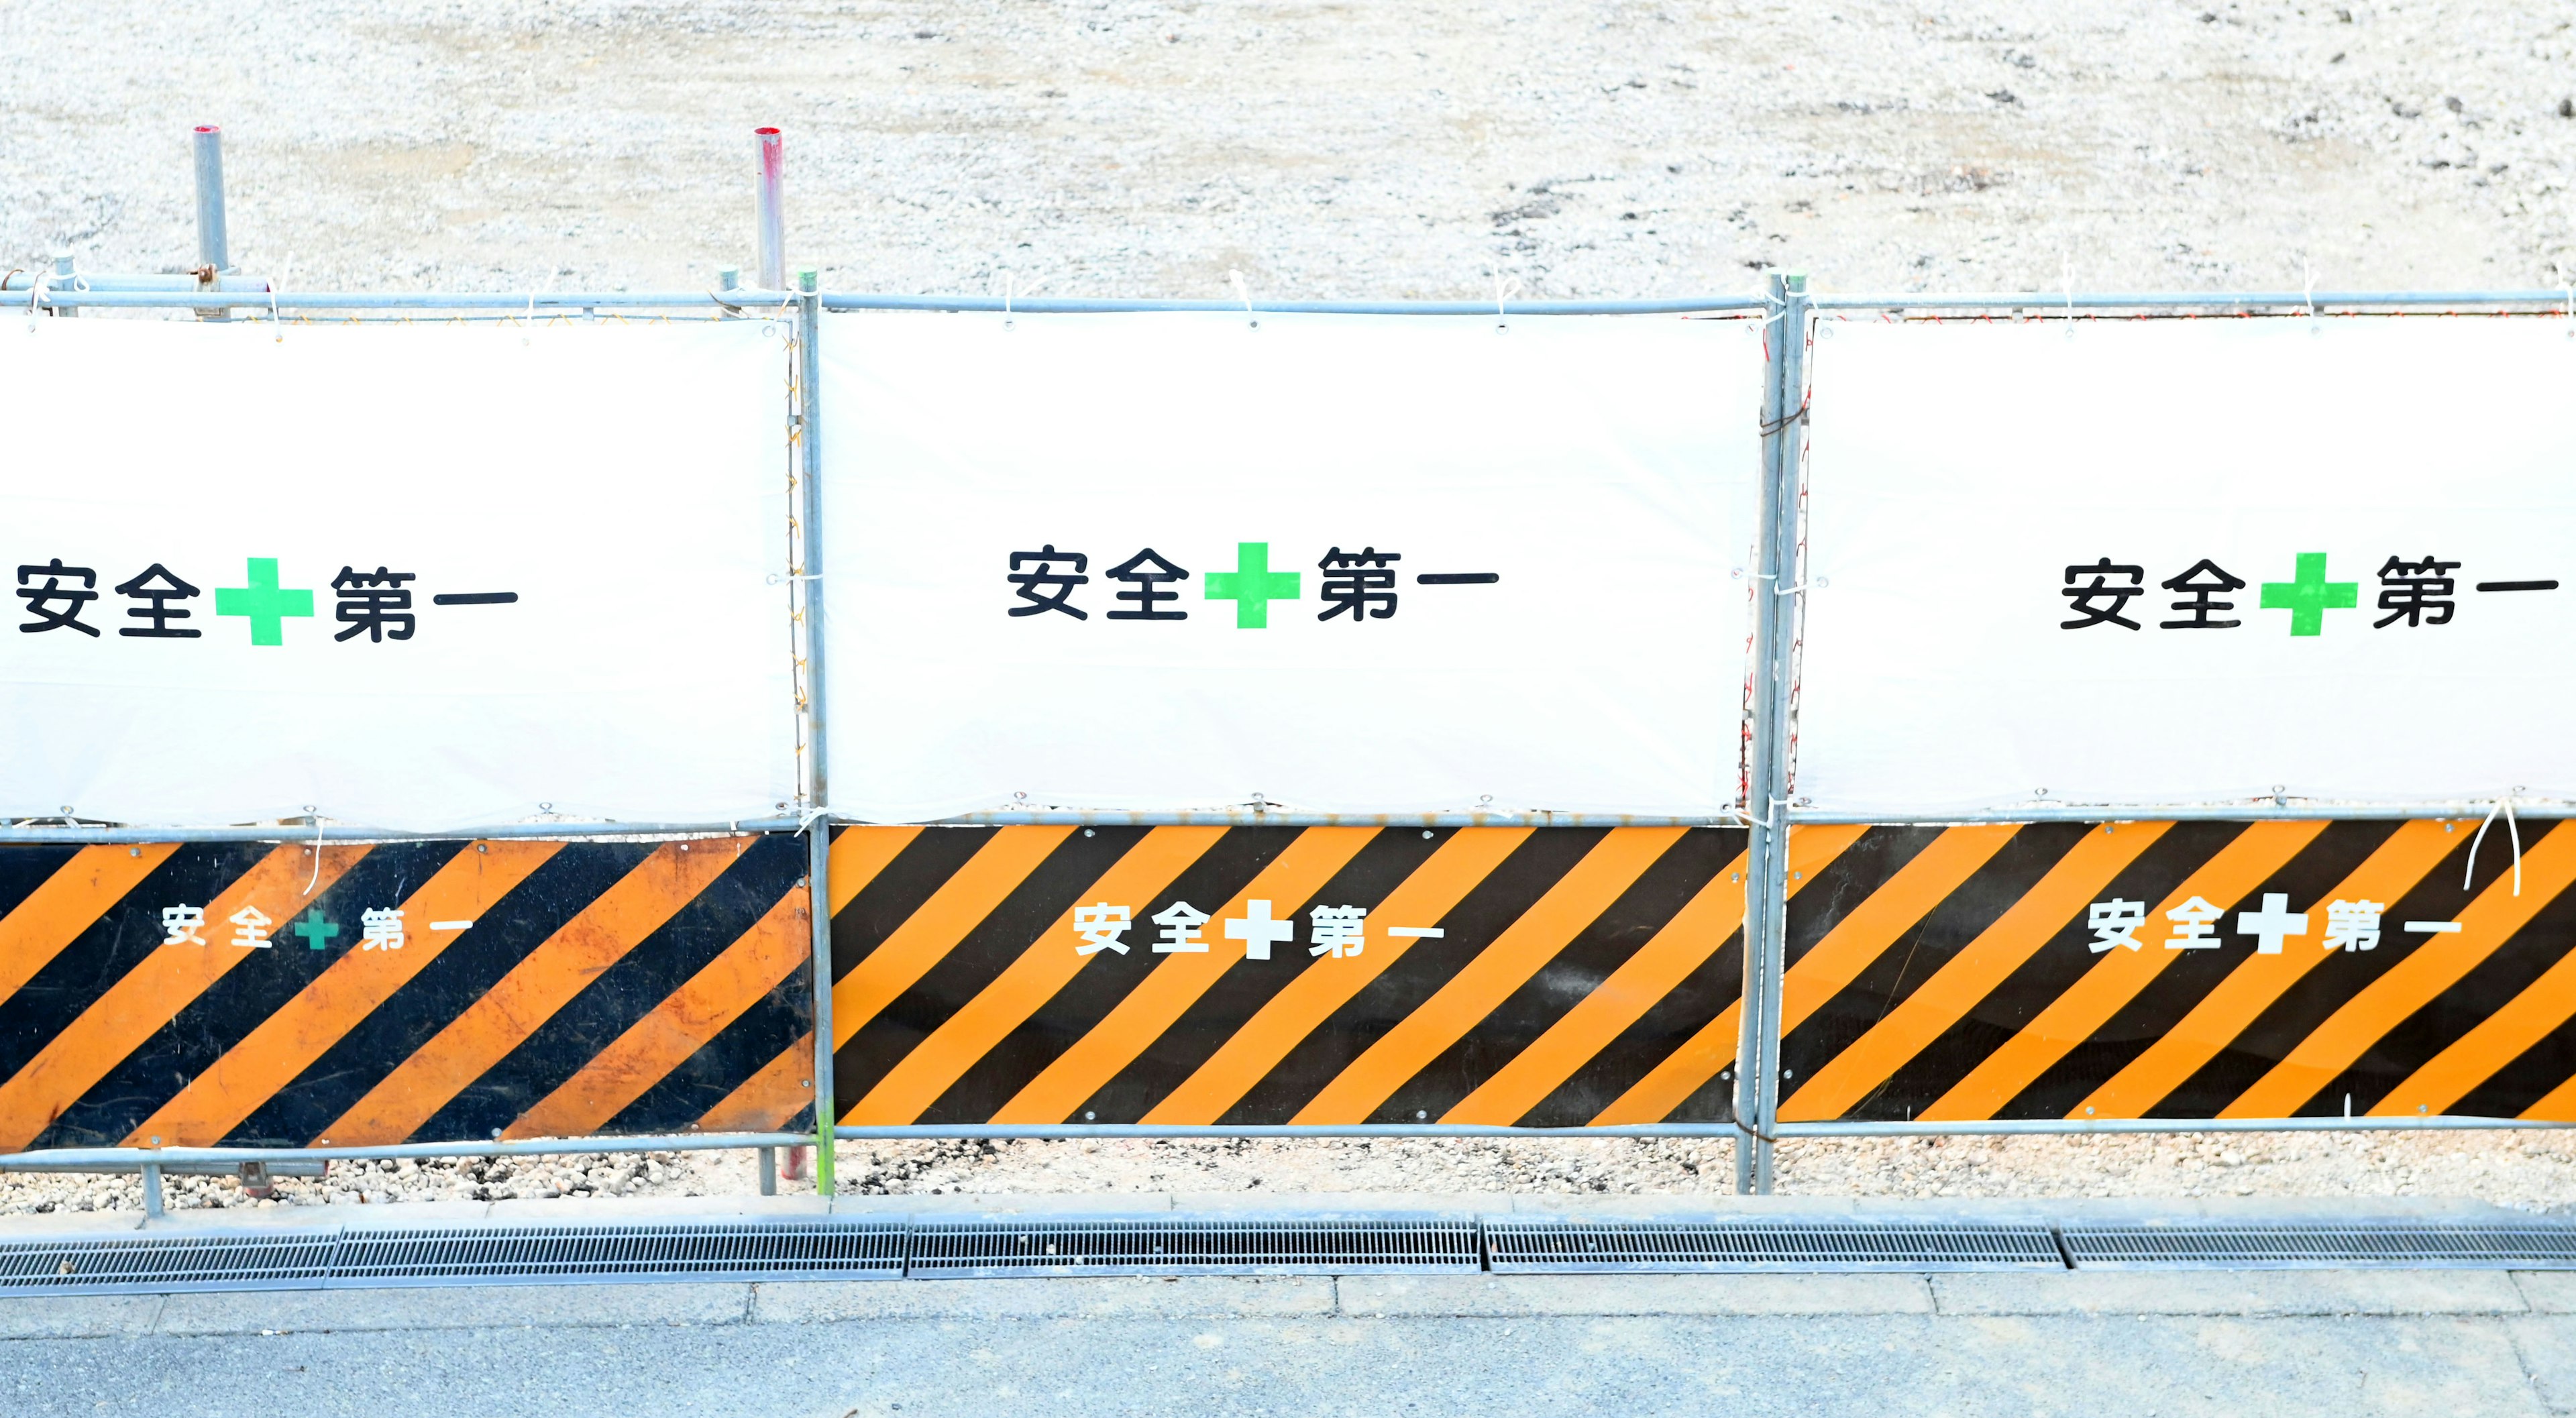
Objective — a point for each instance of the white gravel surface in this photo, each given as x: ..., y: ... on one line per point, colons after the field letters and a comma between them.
x: 1139, y: 147
x: 2535, y: 1171
x: 1136, y: 147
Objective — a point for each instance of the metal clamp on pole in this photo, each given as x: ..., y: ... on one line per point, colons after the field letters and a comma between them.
x: 1766, y: 877
x: 214, y: 247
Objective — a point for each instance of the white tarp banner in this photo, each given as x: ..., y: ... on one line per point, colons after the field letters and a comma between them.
x: 406, y: 577
x: 2190, y: 562
x: 1167, y: 562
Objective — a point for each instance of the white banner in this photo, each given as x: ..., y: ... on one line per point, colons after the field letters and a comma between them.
x: 1169, y: 562
x: 2190, y: 562
x: 404, y: 577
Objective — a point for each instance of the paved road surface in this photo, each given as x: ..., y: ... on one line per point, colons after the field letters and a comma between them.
x: 2264, y: 1343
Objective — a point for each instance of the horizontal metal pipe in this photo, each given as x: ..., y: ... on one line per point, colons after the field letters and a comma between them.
x: 65, y: 292
x: 339, y: 836
x: 2042, y: 302
x: 146, y: 292
x: 1027, y: 305
x: 1247, y: 817
x: 750, y: 302
x: 2065, y: 1127
x: 2311, y: 812
x: 1067, y: 1131
x: 276, y: 1166
x: 127, y: 1159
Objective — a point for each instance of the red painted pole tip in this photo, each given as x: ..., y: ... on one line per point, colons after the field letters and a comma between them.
x: 209, y: 128
x: 765, y: 132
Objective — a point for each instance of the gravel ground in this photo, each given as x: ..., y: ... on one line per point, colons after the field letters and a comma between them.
x: 2535, y: 1171
x: 1134, y: 147
x: 1138, y: 147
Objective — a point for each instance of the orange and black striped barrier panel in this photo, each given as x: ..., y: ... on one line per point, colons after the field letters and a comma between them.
x: 1262, y: 975
x: 343, y: 996
x: 357, y: 995
x: 2089, y: 972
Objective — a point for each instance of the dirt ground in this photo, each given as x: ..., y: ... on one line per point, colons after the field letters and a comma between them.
x: 1408, y: 149
x: 1136, y: 147
x: 2534, y: 1171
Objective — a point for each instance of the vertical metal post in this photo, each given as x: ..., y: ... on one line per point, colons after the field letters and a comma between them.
x: 66, y: 269
x: 214, y: 246
x: 768, y: 1171
x: 1766, y: 877
x: 818, y: 830
x: 152, y: 1190
x: 770, y: 205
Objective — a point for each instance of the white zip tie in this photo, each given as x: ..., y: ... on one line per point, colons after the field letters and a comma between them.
x: 316, y: 878
x: 1505, y: 287
x: 1243, y: 293
x: 554, y: 273
x: 2504, y: 805
x: 273, y: 283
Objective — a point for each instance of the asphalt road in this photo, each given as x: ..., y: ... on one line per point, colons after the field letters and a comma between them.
x: 2131, y: 1344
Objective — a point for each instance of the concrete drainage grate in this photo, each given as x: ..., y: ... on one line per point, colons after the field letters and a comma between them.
x: 1165, y: 1246
x: 537, y: 1255
x: 288, y: 1260
x: 2538, y: 1247
x: 1533, y: 1245
x: 938, y: 1248
x: 352, y: 1259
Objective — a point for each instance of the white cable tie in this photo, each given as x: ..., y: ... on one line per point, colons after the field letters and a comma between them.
x: 2513, y: 831
x: 554, y: 273
x: 1504, y: 289
x: 280, y: 330
x: 316, y: 878
x: 2310, y: 269
x: 1243, y: 293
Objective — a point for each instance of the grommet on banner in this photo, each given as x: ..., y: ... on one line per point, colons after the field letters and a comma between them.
x: 2504, y: 805
x: 1243, y: 293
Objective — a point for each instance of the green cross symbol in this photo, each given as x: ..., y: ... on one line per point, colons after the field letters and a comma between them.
x: 2309, y: 595
x: 1252, y: 585
x: 263, y: 602
x: 316, y: 930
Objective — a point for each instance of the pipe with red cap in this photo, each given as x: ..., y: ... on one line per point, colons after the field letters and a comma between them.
x: 772, y: 214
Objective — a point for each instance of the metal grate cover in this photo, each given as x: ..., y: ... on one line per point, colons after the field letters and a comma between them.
x: 2532, y: 1247
x: 288, y: 1260
x: 1536, y: 1244
x: 1163, y: 1246
x: 819, y: 1250
x: 353, y: 1259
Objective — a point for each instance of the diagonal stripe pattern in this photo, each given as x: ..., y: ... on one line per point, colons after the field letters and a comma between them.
x: 1508, y: 972
x: 2007, y: 1002
x: 197, y: 995
x: 1482, y: 975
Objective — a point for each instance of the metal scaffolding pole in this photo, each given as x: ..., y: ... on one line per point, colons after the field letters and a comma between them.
x: 818, y: 840
x: 1766, y: 876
